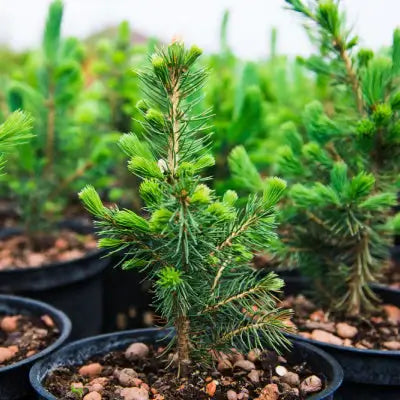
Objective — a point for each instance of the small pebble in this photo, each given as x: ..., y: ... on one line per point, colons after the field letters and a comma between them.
x: 14, y: 349
x: 253, y: 355
x: 96, y: 387
x: 135, y: 394
x: 102, y: 381
x: 346, y: 331
x: 5, y: 354
x: 270, y: 392
x: 137, y: 351
x: 311, y: 384
x: 392, y: 313
x: 392, y: 345
x: 291, y: 378
x: 254, y: 376
x: 47, y: 320
x: 10, y: 324
x: 242, y: 396
x: 244, y: 364
x: 231, y: 395
x: 127, y: 376
x: 211, y: 388
x: 224, y: 365
x: 281, y: 370
x: 347, y: 343
x: 317, y: 316
x: 92, y: 396
x: 326, y: 337
x: 91, y: 370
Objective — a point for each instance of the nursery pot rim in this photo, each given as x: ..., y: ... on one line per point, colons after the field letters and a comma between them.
x: 333, y: 384
x: 65, y: 328
x: 52, y: 265
x: 17, y: 230
x: 382, y: 286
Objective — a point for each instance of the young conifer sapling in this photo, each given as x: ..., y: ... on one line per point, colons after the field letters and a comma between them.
x: 338, y: 222
x: 195, y: 246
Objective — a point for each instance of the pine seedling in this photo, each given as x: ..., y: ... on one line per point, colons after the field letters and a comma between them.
x: 195, y: 246
x: 342, y: 236
x: 336, y: 227
x: 339, y: 222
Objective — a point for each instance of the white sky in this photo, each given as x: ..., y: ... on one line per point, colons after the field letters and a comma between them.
x: 198, y: 21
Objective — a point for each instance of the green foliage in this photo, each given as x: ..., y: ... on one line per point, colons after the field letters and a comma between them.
x: 364, y: 132
x: 195, y: 246
x: 44, y: 173
x: 250, y: 101
x: 113, y: 70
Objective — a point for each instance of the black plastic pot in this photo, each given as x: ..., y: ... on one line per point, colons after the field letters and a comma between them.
x: 374, y: 367
x: 14, y: 380
x: 75, y: 287
x: 127, y: 298
x: 82, y: 350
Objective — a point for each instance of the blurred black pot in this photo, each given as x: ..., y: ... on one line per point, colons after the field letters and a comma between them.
x: 127, y: 298
x: 75, y: 286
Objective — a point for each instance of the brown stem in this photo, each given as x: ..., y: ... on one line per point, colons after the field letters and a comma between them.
x: 359, y: 296
x: 352, y: 77
x: 182, y: 332
x: 173, y: 147
x: 50, y: 134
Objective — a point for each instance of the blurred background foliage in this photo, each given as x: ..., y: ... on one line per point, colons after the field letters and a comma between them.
x: 83, y: 95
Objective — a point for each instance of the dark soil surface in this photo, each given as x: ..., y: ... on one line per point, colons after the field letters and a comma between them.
x: 20, y: 252
x: 379, y: 331
x: 142, y: 373
x: 23, y: 336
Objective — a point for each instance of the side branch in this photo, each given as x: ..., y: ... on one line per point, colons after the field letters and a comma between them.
x: 231, y: 299
x: 236, y: 233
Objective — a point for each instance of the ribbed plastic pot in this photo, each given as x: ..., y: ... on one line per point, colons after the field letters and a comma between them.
x: 82, y: 350
x: 75, y: 287
x: 373, y: 367
x: 14, y: 378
